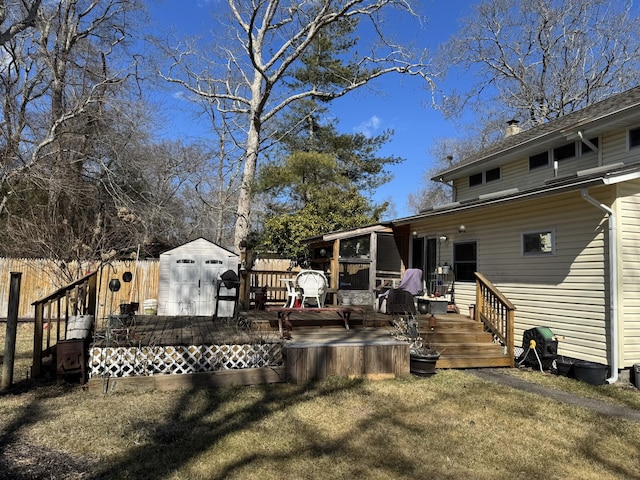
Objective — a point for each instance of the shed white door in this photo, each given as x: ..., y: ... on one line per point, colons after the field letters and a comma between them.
x: 211, y: 271
x: 193, y: 285
x: 185, y: 277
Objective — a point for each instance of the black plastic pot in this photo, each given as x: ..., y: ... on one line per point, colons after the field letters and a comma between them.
x: 565, y: 367
x: 423, y: 365
x: 590, y: 372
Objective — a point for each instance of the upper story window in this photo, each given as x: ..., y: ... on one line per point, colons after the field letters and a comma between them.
x: 484, y: 177
x: 634, y: 137
x: 539, y: 160
x: 492, y: 175
x: 586, y: 149
x: 475, y: 179
x: 565, y: 151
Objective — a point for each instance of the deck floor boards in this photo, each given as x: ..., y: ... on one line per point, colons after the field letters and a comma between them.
x: 198, y: 330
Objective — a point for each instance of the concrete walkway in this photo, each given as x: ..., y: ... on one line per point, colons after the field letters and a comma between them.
x: 605, y: 408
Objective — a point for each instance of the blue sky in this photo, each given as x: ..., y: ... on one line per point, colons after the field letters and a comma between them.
x: 401, y: 106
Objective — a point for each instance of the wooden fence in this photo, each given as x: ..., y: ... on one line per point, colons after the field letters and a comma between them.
x: 40, y: 277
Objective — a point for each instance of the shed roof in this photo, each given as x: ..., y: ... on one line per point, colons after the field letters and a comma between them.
x: 198, y: 243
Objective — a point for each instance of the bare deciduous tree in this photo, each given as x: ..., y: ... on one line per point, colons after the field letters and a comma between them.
x: 16, y: 16
x: 60, y: 84
x: 250, y: 69
x: 542, y: 59
x: 531, y: 61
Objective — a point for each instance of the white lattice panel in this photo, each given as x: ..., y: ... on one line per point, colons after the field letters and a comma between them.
x: 159, y: 360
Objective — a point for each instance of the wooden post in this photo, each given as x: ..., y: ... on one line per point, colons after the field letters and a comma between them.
x: 244, y: 293
x: 12, y: 330
x: 479, y: 304
x: 36, y: 365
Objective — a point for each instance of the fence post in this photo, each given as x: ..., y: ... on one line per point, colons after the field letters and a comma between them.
x: 12, y: 330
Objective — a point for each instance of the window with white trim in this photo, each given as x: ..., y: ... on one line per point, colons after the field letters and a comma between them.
x: 586, y: 149
x: 465, y: 261
x: 539, y: 160
x: 565, y: 151
x: 634, y: 137
x: 485, y: 177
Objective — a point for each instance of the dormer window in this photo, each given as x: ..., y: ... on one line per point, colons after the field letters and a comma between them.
x: 565, y: 151
x: 492, y: 175
x: 634, y: 137
x: 586, y: 149
x: 484, y: 177
x: 475, y: 179
x: 539, y: 160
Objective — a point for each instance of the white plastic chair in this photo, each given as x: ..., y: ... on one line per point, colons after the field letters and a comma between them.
x: 313, y: 284
x: 292, y: 292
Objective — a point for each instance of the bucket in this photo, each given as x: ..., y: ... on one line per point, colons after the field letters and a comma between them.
x: 636, y: 375
x: 150, y: 306
x: 590, y: 372
x: 564, y: 367
x: 79, y: 327
x: 472, y: 311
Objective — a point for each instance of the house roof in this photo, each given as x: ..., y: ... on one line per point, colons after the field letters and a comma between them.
x: 619, y: 109
x: 604, y: 175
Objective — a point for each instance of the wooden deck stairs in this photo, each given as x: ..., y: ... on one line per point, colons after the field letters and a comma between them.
x: 463, y: 343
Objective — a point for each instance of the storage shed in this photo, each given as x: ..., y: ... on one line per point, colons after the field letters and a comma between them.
x: 189, y: 278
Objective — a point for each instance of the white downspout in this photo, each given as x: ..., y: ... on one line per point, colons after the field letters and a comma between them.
x: 613, y: 282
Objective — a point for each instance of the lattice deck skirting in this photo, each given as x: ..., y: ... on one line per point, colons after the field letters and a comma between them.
x: 164, y: 360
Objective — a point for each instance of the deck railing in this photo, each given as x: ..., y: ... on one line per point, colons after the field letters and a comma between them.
x: 77, y: 298
x: 496, y: 313
x: 253, y: 282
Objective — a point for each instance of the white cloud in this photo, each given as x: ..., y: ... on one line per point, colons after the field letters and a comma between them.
x: 369, y: 127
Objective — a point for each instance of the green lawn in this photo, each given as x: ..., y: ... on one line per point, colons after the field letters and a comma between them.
x: 450, y: 426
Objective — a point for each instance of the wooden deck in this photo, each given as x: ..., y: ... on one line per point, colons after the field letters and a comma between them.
x: 319, y: 346
x: 462, y: 342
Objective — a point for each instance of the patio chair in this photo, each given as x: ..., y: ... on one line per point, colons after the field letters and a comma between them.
x: 401, y: 305
x: 313, y: 284
x: 411, y: 282
x: 293, y: 296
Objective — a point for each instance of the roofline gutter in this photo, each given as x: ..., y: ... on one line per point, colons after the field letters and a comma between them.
x: 613, y: 282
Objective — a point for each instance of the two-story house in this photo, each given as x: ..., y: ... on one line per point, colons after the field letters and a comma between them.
x: 551, y: 216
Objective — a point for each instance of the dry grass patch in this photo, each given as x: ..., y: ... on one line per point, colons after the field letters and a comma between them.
x: 450, y: 426
x: 620, y: 394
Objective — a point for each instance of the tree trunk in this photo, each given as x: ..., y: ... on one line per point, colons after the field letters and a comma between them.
x: 248, y: 175
x: 258, y: 100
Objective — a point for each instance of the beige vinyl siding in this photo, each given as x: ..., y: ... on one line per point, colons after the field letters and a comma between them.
x: 570, y: 166
x: 516, y: 174
x: 566, y: 292
x: 629, y: 271
x: 614, y: 147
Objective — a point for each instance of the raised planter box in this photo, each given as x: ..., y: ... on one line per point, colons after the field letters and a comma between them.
x: 376, y: 361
